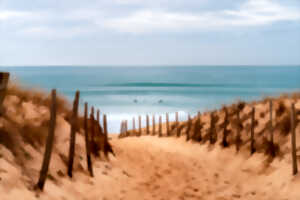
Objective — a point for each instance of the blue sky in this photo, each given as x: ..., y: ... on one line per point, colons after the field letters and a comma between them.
x: 149, y: 32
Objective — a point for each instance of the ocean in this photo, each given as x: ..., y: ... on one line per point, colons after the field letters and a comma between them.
x: 126, y: 92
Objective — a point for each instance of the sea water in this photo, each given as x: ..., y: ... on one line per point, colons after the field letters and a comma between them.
x: 126, y: 92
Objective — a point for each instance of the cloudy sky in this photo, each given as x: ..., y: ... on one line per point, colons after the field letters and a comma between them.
x: 149, y: 32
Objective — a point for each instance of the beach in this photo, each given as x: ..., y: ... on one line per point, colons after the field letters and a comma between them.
x: 145, y: 167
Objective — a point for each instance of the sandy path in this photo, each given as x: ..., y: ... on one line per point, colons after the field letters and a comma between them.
x: 149, y: 167
x: 170, y: 168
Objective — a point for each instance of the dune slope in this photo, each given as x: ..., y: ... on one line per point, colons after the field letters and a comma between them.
x: 146, y: 167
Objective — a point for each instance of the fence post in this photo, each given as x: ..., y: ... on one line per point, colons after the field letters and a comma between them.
x: 225, y: 131
x: 147, y: 125
x: 153, y: 125
x: 238, y: 130
x: 167, y: 124
x: 87, y: 141
x: 49, y: 143
x: 212, y: 128
x: 252, y: 130
x: 98, y: 116
x: 74, y: 128
x: 133, y: 126
x: 140, y: 125
x: 92, y: 122
x: 121, y: 129
x: 4, y: 77
x: 160, y: 127
x: 105, y: 127
x: 188, y: 128
x: 271, y: 130
x: 177, y: 125
x: 126, y: 128
x: 293, y: 139
x: 197, y: 128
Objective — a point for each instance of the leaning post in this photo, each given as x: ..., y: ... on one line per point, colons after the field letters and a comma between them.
x: 271, y: 130
x: 87, y: 141
x: 74, y: 128
x: 293, y: 139
x: 49, y: 143
x: 252, y: 130
x: 92, y: 121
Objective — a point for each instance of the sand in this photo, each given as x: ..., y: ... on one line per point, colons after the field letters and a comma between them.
x: 146, y: 167
x: 164, y: 168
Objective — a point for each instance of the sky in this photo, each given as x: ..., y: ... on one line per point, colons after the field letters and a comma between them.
x: 149, y: 32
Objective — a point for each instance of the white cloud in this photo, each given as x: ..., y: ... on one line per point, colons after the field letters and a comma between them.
x: 7, y: 15
x: 252, y: 13
x: 82, y: 21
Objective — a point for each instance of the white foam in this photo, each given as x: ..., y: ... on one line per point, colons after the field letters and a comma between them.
x: 114, y: 119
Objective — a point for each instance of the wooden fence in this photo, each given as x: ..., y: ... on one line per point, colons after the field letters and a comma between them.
x: 92, y: 129
x: 4, y: 77
x: 233, y: 119
x: 90, y: 126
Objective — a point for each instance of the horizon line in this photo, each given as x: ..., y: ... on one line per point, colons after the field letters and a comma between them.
x: 156, y: 65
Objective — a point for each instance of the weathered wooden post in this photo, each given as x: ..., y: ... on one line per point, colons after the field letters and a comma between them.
x: 293, y: 139
x: 147, y: 125
x: 4, y: 77
x: 238, y: 130
x: 122, y: 129
x: 105, y: 127
x: 225, y: 131
x: 74, y: 128
x: 49, y: 143
x: 92, y: 122
x: 188, y: 128
x: 160, y: 127
x: 271, y: 131
x: 167, y: 124
x: 196, y: 127
x: 133, y: 126
x: 252, y: 130
x: 153, y: 125
x: 87, y: 141
x: 98, y: 116
x: 177, y: 125
x: 126, y: 128
x: 140, y: 125
x: 212, y: 128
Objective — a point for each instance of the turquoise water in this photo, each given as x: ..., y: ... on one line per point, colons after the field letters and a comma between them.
x: 124, y: 92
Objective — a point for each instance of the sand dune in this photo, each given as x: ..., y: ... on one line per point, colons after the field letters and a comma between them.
x: 146, y: 167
